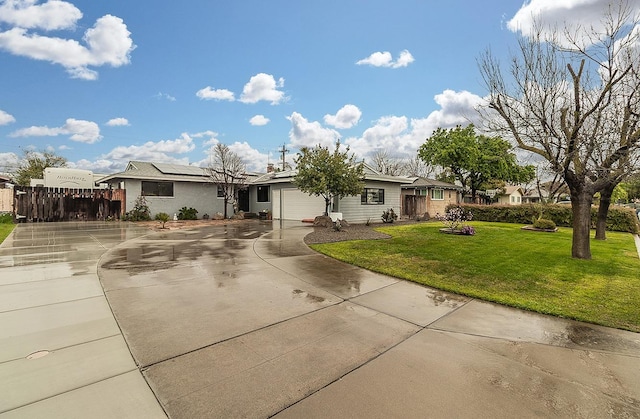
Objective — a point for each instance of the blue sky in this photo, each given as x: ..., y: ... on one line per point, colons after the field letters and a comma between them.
x: 105, y: 82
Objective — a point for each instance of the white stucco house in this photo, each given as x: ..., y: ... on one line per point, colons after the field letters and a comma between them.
x: 169, y: 187
x: 512, y: 195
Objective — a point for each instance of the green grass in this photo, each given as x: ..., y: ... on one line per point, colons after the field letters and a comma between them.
x: 504, y: 264
x: 5, y: 230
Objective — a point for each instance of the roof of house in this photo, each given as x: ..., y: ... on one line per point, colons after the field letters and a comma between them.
x: 164, y: 172
x: 511, y: 189
x: 287, y: 176
x: 426, y: 183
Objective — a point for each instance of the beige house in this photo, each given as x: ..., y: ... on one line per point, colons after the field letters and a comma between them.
x: 428, y: 196
x: 512, y: 195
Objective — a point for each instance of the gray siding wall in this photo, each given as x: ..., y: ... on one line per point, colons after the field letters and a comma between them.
x: 354, y: 212
x: 201, y: 196
x: 254, y: 205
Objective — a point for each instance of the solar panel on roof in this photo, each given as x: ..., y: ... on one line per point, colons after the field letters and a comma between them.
x: 178, y: 169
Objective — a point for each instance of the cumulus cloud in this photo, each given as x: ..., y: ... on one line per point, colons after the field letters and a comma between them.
x: 108, y: 42
x: 78, y: 130
x: 254, y: 160
x: 571, y: 13
x: 263, y: 87
x: 259, y: 120
x: 304, y: 133
x: 118, y: 122
x: 404, y: 135
x: 211, y: 137
x: 6, y: 118
x: 156, y: 151
x: 8, y: 162
x: 347, y: 117
x: 385, y: 59
x: 51, y: 15
x: 209, y: 93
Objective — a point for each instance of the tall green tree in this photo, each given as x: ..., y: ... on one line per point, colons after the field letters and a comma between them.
x: 476, y: 161
x: 33, y: 163
x: 330, y: 175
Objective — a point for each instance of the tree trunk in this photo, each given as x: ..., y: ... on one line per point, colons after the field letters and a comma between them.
x: 327, y: 202
x: 226, y: 202
x: 581, y: 208
x: 603, y: 210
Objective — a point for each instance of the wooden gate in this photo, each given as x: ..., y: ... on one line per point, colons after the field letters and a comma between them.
x: 61, y: 204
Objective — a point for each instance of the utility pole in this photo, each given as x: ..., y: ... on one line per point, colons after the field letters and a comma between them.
x: 283, y: 152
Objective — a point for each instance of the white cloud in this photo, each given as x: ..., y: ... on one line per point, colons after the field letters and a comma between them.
x: 212, y: 137
x: 572, y: 13
x: 78, y: 130
x: 263, y: 87
x: 209, y: 93
x: 118, y: 122
x: 259, y: 120
x: 347, y: 117
x: 166, y: 96
x: 158, y: 151
x: 8, y: 162
x: 51, y: 15
x: 384, y: 59
x: 6, y: 118
x: 404, y: 136
x: 310, y: 134
x: 108, y: 42
x: 252, y: 158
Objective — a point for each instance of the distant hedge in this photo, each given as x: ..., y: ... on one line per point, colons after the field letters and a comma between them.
x: 619, y: 219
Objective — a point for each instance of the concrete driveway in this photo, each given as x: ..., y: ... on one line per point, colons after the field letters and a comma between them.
x: 246, y: 321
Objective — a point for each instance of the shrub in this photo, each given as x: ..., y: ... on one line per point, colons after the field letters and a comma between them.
x: 619, y: 218
x: 455, y: 217
x: 389, y: 216
x: 544, y: 224
x: 163, y: 217
x: 187, y: 214
x: 140, y: 211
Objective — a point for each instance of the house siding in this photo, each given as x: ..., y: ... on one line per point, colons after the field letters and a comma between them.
x: 354, y: 212
x: 201, y: 196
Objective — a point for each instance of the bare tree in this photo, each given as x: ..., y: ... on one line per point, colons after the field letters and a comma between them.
x: 572, y: 97
x: 386, y: 164
x: 228, y: 171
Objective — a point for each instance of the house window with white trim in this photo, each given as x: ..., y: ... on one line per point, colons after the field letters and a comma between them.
x: 372, y: 196
x: 437, y: 194
x: 422, y: 192
x: 157, y: 188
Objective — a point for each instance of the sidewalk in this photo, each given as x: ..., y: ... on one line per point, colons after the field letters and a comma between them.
x: 62, y: 354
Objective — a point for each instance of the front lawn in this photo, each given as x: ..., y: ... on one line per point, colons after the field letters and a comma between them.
x: 504, y: 264
x: 5, y: 230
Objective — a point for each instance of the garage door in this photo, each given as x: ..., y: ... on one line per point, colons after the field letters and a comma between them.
x: 297, y: 205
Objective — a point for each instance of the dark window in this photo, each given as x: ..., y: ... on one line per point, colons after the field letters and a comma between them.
x: 220, y: 191
x: 157, y: 188
x: 371, y: 196
x: 263, y: 193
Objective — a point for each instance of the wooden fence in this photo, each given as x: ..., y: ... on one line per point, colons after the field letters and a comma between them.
x: 61, y: 204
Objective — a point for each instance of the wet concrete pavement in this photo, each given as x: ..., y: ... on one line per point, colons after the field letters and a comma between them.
x: 246, y: 321
x: 62, y: 354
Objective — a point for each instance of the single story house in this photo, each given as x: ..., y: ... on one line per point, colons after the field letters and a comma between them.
x: 169, y: 187
x: 511, y: 195
x: 275, y: 192
x: 428, y: 196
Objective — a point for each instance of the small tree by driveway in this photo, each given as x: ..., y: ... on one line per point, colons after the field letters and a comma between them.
x: 328, y: 174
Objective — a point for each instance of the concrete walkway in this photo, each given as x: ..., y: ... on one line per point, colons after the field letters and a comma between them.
x: 62, y: 354
x: 246, y: 321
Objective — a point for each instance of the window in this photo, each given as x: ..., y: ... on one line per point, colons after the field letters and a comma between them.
x: 437, y: 194
x: 220, y: 191
x: 157, y: 188
x: 263, y: 193
x: 372, y: 196
x: 421, y: 192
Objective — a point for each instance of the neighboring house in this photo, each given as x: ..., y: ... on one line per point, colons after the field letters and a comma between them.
x: 6, y: 194
x: 511, y: 195
x: 169, y: 187
x: 276, y: 192
x: 533, y: 196
x: 428, y: 196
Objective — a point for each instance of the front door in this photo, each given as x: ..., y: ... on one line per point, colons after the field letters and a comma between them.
x: 243, y: 200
